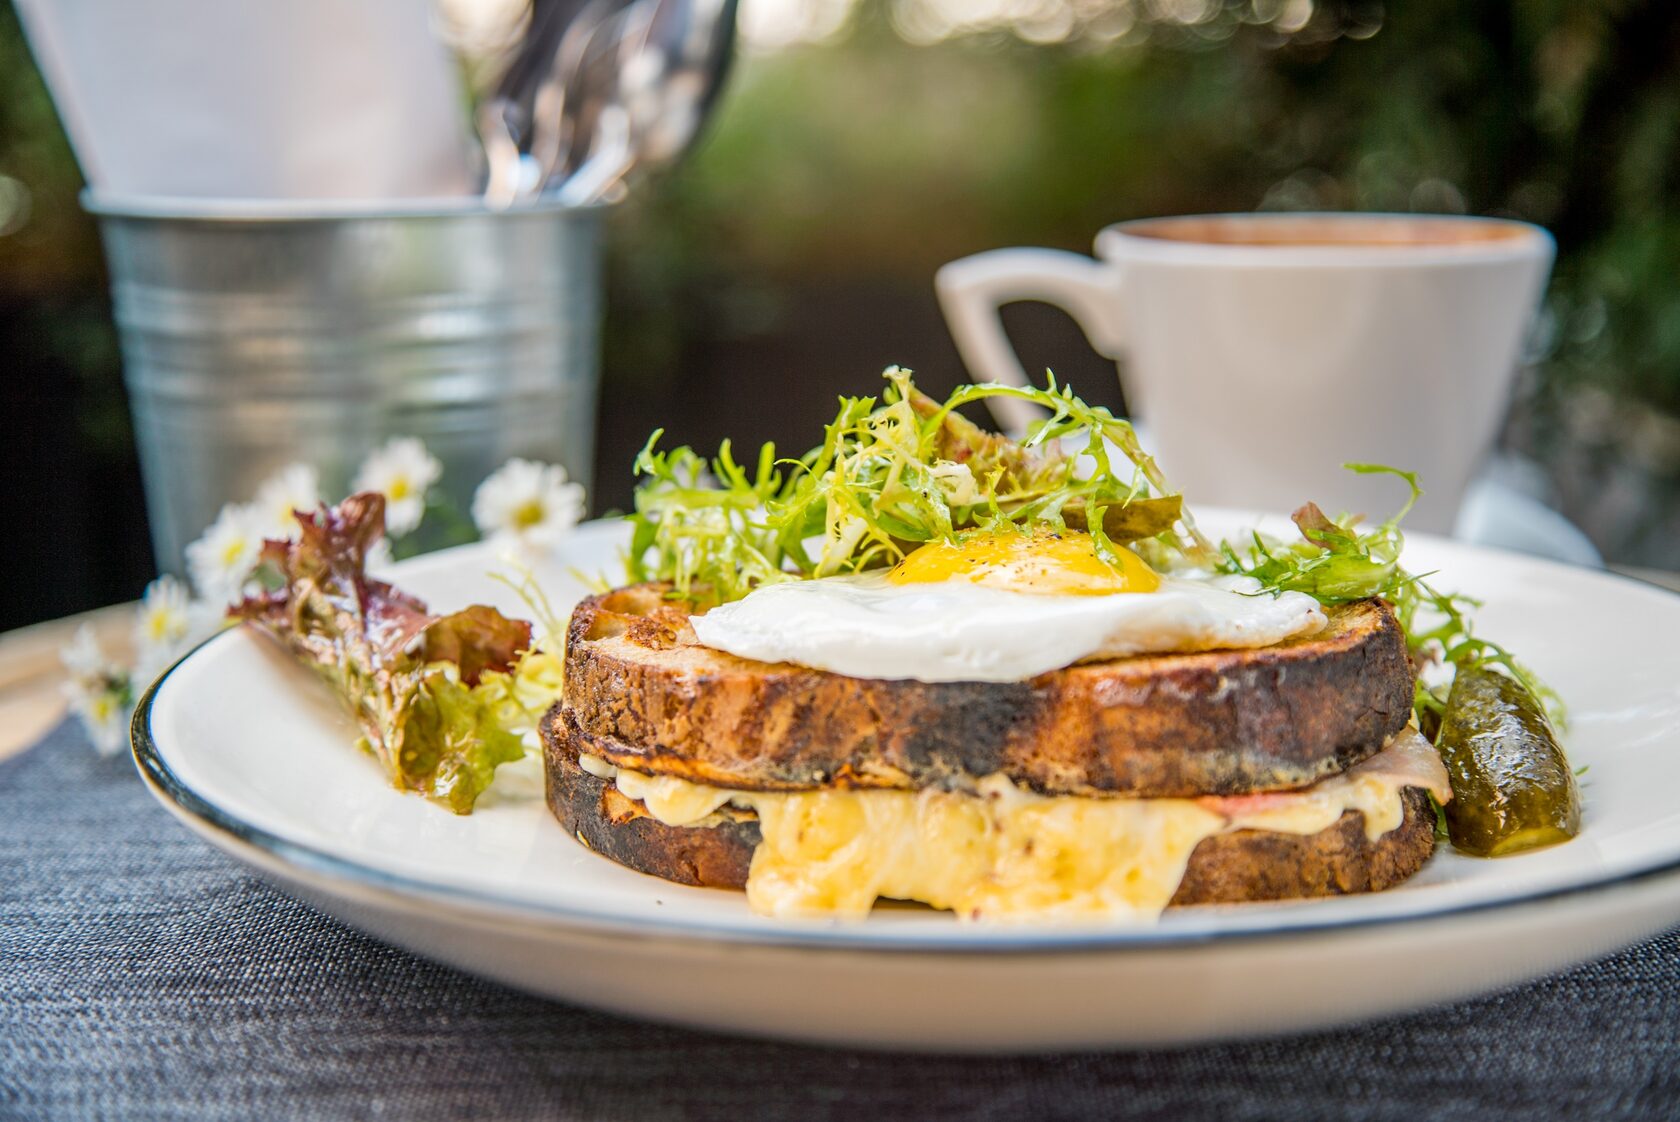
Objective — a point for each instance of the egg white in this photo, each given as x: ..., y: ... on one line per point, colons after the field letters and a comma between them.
x: 954, y: 631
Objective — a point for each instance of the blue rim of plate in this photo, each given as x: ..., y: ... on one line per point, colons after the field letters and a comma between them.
x: 169, y: 787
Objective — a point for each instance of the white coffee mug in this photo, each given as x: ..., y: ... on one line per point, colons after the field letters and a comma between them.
x: 1263, y: 351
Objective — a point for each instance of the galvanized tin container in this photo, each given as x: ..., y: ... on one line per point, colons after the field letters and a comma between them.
x: 258, y: 334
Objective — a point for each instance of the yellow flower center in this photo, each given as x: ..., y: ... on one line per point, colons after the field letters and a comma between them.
x: 527, y: 514
x: 399, y: 489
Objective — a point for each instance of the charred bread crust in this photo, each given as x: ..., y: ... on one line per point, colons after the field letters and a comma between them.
x: 1240, y: 867
x: 1250, y: 865
x: 593, y: 811
x: 1212, y: 723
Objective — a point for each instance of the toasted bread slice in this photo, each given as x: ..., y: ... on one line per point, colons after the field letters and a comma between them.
x: 648, y: 697
x: 1247, y: 865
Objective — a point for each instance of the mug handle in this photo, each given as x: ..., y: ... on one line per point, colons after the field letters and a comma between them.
x: 972, y: 290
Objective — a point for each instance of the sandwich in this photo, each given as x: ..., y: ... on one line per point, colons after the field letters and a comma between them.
x: 1010, y: 680
x: 1116, y: 786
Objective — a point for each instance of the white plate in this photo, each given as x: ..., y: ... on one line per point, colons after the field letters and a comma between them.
x: 248, y: 749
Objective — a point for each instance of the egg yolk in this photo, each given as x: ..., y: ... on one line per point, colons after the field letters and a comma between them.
x: 1064, y: 563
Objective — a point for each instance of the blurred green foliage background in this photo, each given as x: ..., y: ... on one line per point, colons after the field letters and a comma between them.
x: 865, y: 142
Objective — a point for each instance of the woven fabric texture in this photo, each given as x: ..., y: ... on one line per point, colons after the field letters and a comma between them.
x: 144, y: 975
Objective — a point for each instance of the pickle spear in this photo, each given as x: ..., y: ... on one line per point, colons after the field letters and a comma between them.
x: 1512, y: 786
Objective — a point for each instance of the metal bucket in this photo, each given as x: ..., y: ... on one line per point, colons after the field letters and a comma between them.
x: 254, y: 335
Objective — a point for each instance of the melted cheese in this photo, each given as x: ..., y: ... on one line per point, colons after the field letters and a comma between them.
x: 1002, y: 851
x: 675, y: 802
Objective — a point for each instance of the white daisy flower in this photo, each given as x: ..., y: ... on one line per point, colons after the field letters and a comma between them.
x: 401, y: 470
x: 166, y: 624
x: 82, y: 656
x: 104, y: 715
x: 292, y: 488
x: 222, y: 559
x: 527, y: 503
x: 100, y: 691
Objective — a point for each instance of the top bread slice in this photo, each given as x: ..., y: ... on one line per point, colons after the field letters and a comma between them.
x: 648, y: 697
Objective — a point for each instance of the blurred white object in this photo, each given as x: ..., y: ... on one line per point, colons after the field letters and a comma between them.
x: 1266, y: 350
x: 1499, y: 512
x: 300, y: 99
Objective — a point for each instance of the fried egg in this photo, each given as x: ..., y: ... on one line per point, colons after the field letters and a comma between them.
x: 1000, y: 607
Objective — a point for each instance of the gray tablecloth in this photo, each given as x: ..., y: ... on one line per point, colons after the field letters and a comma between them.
x: 144, y: 975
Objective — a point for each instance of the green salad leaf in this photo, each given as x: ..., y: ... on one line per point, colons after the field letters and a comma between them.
x: 893, y: 473
x: 430, y: 693
x: 1337, y: 560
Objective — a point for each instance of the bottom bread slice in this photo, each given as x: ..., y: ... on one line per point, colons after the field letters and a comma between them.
x: 1237, y: 867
